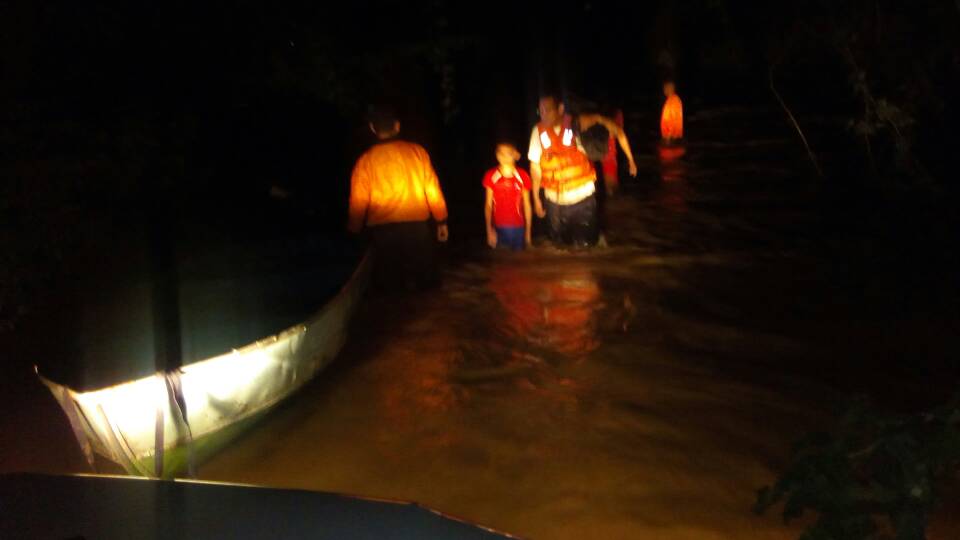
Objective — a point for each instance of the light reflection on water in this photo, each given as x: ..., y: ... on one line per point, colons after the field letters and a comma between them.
x: 533, y: 394
x: 549, y: 308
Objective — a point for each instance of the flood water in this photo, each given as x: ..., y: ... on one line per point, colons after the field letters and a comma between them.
x: 645, y: 389
x: 642, y: 390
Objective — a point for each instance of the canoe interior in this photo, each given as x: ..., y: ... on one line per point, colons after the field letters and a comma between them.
x: 229, y: 296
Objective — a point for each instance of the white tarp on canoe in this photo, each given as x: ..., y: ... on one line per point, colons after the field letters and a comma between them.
x: 134, y: 422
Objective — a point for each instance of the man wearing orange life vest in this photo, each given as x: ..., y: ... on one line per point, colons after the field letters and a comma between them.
x: 394, y: 191
x: 559, y: 164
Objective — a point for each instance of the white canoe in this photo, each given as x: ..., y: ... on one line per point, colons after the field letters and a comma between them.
x: 159, y: 425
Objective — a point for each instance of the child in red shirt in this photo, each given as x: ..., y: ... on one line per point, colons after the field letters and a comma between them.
x: 507, y: 208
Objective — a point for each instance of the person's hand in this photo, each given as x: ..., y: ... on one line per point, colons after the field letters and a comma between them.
x: 538, y: 208
x: 442, y: 233
x: 633, y: 169
x: 527, y: 241
x: 492, y: 238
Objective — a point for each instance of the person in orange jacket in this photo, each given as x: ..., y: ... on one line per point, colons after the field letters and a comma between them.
x: 671, y: 119
x: 394, y: 192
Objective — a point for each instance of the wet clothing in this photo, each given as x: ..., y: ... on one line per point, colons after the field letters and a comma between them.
x: 511, y: 238
x: 507, y: 196
x: 596, y: 141
x: 394, y: 182
x: 568, y: 180
x: 671, y: 119
x: 610, y: 173
x: 405, y: 255
x: 574, y: 224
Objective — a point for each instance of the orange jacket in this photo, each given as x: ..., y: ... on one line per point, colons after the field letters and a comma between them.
x: 394, y: 182
x: 671, y: 120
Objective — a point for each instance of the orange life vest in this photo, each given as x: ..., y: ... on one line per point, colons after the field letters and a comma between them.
x: 671, y: 119
x: 563, y: 166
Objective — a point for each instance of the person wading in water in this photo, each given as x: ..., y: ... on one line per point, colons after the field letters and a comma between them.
x: 559, y: 164
x: 394, y: 192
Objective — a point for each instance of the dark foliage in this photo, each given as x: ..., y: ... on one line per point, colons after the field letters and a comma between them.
x: 875, y: 476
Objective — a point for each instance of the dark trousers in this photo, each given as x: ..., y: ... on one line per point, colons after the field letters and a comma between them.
x: 574, y: 224
x: 405, y: 255
x: 511, y: 238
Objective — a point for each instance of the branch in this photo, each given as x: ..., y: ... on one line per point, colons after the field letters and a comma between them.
x: 813, y: 158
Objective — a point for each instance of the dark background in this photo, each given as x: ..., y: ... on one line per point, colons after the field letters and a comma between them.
x: 120, y: 120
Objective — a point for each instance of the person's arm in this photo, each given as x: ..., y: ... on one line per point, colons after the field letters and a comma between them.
x: 527, y: 218
x: 535, y: 190
x: 487, y: 214
x: 533, y: 154
x: 625, y: 146
x: 359, y: 197
x: 621, y: 135
x: 435, y: 200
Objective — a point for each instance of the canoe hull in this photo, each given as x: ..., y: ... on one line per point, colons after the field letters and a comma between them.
x: 151, y: 426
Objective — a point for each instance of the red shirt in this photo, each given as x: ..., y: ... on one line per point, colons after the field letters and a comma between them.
x: 507, y: 196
